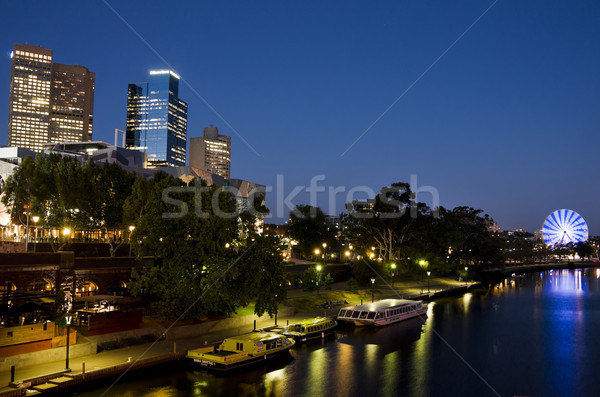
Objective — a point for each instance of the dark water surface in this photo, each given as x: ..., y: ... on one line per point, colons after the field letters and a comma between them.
x: 536, y: 336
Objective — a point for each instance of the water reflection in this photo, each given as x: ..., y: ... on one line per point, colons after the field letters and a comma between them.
x: 528, y: 336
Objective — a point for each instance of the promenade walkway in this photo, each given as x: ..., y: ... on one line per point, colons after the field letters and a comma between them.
x: 110, y: 358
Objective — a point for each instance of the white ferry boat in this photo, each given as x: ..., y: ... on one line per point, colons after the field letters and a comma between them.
x: 383, y: 312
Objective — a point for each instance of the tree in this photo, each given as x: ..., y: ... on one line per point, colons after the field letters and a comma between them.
x: 308, y: 226
x: 203, y: 264
x: 585, y: 249
x: 312, y: 280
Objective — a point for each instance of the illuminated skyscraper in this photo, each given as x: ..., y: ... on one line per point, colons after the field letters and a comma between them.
x: 29, y: 100
x: 157, y: 120
x: 212, y: 152
x: 71, y: 103
x: 48, y: 102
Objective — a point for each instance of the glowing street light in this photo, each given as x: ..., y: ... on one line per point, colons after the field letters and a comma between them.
x: 66, y: 231
x: 35, y: 219
x: 68, y: 320
x: 428, y: 274
x: 131, y: 229
x: 466, y: 272
x: 393, y: 266
x: 319, y: 268
x: 372, y: 290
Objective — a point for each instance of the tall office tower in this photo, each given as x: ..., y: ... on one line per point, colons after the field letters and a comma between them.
x: 29, y: 100
x: 157, y: 120
x: 48, y: 102
x: 212, y: 152
x: 71, y: 103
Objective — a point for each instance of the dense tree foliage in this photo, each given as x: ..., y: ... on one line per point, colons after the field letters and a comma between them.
x: 64, y: 193
x: 211, y: 258
x: 308, y: 226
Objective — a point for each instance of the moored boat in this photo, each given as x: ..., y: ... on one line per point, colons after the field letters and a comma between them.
x: 240, y: 351
x: 383, y: 312
x: 310, y: 329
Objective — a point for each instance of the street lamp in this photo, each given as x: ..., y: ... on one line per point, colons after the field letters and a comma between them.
x: 68, y: 320
x: 131, y: 228
x: 318, y: 277
x: 393, y: 266
x: 35, y: 219
x: 428, y: 274
x: 424, y: 264
x: 324, y: 253
x: 466, y: 272
x: 372, y: 290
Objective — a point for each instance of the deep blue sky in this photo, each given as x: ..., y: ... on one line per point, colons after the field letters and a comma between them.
x: 507, y: 121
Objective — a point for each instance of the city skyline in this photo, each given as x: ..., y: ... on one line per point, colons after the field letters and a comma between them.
x: 505, y: 120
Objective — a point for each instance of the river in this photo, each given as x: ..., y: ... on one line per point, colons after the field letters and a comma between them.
x: 535, y: 336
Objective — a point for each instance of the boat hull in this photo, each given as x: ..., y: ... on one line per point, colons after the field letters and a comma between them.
x: 305, y: 338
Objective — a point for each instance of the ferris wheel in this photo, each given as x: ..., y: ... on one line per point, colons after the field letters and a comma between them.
x: 563, y: 227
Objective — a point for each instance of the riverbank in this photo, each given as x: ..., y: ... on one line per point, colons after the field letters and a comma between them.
x: 51, y: 378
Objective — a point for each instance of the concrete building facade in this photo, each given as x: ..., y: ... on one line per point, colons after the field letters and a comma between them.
x: 211, y: 152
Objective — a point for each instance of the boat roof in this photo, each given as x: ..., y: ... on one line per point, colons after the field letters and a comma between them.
x: 380, y: 305
x: 310, y: 321
x: 255, y: 336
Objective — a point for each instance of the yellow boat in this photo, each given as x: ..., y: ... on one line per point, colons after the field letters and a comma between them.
x: 240, y: 351
x: 312, y: 328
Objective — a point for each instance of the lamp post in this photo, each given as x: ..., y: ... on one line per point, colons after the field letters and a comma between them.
x: 68, y: 320
x: 428, y: 274
x: 372, y: 290
x: 324, y: 253
x: 35, y: 219
x: 424, y: 264
x: 131, y: 228
x: 393, y: 266
x: 318, y: 277
x: 27, y: 230
x: 466, y: 272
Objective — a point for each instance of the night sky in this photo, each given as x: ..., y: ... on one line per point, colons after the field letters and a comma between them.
x: 506, y: 120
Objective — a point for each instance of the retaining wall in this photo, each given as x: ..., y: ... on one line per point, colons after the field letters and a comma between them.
x: 188, y: 331
x: 83, y: 348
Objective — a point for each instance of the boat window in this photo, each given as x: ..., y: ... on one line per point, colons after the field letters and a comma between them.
x: 363, y: 314
x: 371, y: 315
x: 349, y: 313
x: 279, y: 342
x: 379, y: 315
x: 355, y: 314
x: 239, y: 346
x: 342, y: 313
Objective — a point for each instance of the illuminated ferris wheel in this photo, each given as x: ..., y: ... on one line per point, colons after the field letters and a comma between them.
x: 563, y: 227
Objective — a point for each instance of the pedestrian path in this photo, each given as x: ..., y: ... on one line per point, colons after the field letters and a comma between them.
x: 130, y: 354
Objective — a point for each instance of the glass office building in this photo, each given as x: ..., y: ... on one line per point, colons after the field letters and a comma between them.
x: 157, y: 120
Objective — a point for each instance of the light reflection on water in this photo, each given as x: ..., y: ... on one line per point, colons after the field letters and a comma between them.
x: 533, y: 336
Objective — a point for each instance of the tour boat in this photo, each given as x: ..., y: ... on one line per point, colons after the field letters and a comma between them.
x: 240, y: 351
x: 312, y: 328
x: 383, y: 312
